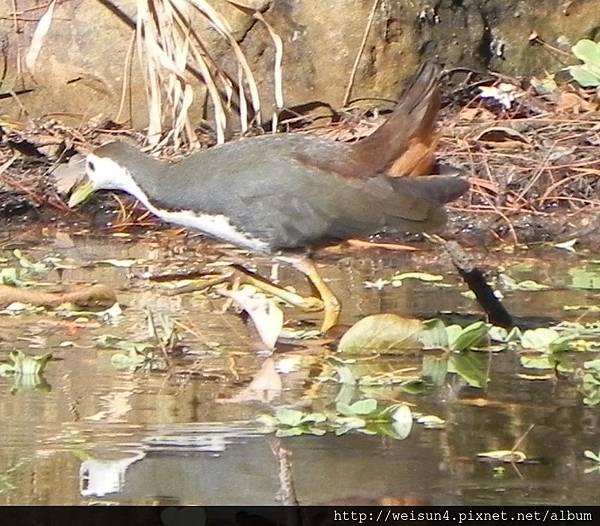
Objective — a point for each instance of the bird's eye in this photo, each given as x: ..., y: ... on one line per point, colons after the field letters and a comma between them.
x: 91, y: 167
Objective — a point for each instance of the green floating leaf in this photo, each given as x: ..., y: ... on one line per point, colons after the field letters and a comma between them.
x: 25, y: 364
x: 540, y: 338
x: 27, y: 264
x: 434, y: 335
x: 593, y: 365
x: 130, y: 360
x: 289, y: 417
x: 500, y: 334
x: 381, y: 333
x: 289, y: 432
x: 421, y: 276
x: 582, y: 278
x: 474, y: 335
x: 471, y: 366
x: 10, y: 276
x: 509, y: 283
x: 364, y: 407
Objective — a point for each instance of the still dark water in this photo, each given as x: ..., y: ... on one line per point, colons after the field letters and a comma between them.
x: 94, y: 433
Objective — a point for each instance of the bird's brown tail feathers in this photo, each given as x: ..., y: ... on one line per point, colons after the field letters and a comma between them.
x: 405, y: 144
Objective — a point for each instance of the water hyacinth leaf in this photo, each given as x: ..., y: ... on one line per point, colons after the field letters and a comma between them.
x: 344, y: 408
x: 289, y: 432
x: 584, y: 279
x: 381, y: 333
x: 540, y: 338
x: 315, y: 418
x: 347, y: 423
x: 509, y: 283
x: 289, y: 417
x: 434, y: 335
x: 27, y: 264
x: 593, y: 365
x: 474, y: 335
x: 268, y: 421
x: 500, y: 334
x: 10, y: 276
x: 470, y: 366
x: 25, y: 364
x: 124, y: 361
x: 363, y: 407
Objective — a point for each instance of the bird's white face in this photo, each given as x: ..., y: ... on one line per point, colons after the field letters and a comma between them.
x: 103, y: 173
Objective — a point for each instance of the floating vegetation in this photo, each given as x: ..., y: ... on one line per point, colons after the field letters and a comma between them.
x: 363, y: 416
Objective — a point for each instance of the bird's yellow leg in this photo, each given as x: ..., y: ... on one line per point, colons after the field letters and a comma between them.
x: 331, y: 305
x: 307, y: 304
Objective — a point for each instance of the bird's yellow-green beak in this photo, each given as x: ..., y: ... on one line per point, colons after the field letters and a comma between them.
x: 81, y: 192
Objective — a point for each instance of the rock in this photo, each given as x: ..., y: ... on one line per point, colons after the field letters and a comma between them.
x: 80, y: 70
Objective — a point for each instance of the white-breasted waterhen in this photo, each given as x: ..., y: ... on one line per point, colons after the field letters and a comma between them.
x: 288, y: 194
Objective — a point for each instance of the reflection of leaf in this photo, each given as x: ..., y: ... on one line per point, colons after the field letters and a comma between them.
x: 503, y: 455
x: 471, y: 366
x: 346, y: 376
x: 397, y: 279
x: 381, y: 333
x: 121, y: 263
x: 264, y: 387
x: 536, y: 361
x: 431, y: 422
x: 435, y: 369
